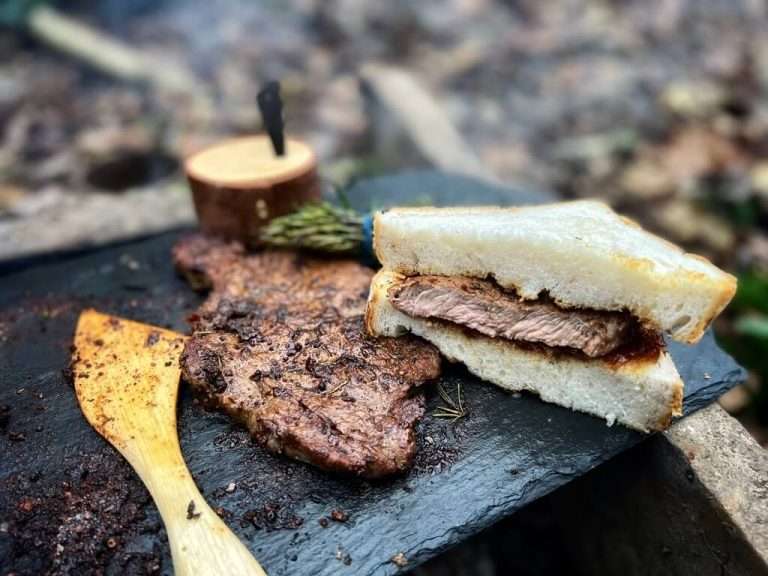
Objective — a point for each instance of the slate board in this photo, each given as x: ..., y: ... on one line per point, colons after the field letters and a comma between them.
x: 510, y: 450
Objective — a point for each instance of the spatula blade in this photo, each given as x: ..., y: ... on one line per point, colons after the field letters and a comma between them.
x: 123, y: 371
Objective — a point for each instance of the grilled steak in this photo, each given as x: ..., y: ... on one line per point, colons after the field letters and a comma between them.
x: 483, y: 306
x: 279, y: 346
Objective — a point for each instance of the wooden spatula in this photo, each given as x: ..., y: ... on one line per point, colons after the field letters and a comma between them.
x: 127, y: 381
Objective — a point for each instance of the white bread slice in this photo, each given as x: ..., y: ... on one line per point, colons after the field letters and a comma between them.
x: 582, y: 253
x: 642, y: 394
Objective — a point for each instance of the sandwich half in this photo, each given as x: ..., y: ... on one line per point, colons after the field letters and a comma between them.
x: 568, y: 301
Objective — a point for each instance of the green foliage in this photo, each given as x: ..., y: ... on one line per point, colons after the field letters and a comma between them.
x: 744, y: 215
x: 752, y: 295
x: 723, y: 195
x: 749, y: 341
x: 14, y: 13
x: 753, y: 327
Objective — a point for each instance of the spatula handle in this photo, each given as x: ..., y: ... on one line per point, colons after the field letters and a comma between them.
x: 201, y: 544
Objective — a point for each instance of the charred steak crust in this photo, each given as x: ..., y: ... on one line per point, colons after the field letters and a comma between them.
x: 279, y: 345
x: 485, y: 307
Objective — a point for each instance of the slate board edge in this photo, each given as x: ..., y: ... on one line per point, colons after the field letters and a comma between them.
x: 541, y: 487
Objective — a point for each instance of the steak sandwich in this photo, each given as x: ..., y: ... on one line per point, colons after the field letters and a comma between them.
x: 568, y: 301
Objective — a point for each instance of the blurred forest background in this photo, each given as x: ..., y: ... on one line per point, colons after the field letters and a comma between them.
x: 660, y: 107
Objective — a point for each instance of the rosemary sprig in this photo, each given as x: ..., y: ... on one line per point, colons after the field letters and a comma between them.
x: 336, y: 388
x: 452, y: 409
x: 319, y: 226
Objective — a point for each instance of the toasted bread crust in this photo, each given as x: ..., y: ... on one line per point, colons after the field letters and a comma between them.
x: 726, y: 291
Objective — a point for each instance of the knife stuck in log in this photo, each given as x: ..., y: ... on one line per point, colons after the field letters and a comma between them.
x: 127, y: 380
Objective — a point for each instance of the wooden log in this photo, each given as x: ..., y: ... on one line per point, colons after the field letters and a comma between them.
x: 400, y: 105
x: 240, y: 184
x: 115, y: 58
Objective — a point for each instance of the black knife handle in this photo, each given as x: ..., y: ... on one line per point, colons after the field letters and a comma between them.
x: 271, y: 107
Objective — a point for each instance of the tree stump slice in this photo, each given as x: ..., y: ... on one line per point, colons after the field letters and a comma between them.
x: 240, y: 184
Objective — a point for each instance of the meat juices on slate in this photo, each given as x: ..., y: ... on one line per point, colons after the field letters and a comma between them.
x: 279, y: 345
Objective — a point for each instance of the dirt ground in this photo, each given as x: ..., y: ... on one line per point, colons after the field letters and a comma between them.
x: 657, y: 106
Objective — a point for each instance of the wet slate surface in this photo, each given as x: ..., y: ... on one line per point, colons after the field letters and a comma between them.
x: 55, y: 471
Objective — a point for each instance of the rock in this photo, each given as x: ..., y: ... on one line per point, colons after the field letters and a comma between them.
x: 696, y: 152
x: 55, y: 221
x: 405, y: 114
x: 754, y: 252
x: 102, y: 142
x: 9, y: 196
x: 759, y: 179
x: 646, y: 180
x: 340, y: 108
x: 735, y: 400
x: 732, y: 466
x: 684, y: 222
x: 692, y: 99
x: 400, y: 560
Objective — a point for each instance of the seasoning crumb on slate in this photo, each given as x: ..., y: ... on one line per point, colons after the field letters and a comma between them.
x: 17, y: 436
x: 399, y: 560
x: 5, y: 417
x: 230, y: 487
x: 343, y: 557
x: 339, y: 515
x: 191, y: 514
x: 323, y: 522
x: 272, y: 516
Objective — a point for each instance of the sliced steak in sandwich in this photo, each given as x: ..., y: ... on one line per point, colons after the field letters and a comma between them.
x: 488, y: 309
x: 279, y: 345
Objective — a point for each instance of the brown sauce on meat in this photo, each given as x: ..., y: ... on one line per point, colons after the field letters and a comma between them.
x: 645, y: 345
